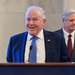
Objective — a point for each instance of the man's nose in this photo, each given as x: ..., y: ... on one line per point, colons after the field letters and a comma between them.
x: 31, y: 22
x: 74, y: 21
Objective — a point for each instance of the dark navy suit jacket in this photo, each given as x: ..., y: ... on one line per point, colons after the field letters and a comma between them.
x: 55, y: 49
x: 73, y: 51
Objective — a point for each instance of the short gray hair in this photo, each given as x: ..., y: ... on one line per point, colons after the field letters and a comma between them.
x: 66, y: 13
x: 38, y: 8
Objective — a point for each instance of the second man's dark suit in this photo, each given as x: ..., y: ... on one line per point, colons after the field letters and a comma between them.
x: 73, y: 51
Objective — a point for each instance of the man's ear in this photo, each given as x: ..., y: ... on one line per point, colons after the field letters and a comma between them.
x: 62, y: 20
x: 44, y: 20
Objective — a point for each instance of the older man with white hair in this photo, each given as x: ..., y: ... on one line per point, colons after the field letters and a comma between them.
x: 37, y: 45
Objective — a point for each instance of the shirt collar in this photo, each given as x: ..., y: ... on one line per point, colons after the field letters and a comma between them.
x: 40, y: 35
x: 66, y: 33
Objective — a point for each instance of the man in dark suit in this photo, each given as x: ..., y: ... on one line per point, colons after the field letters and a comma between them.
x: 68, y: 20
x: 51, y: 46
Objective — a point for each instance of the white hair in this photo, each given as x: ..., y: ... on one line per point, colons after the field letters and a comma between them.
x: 66, y: 13
x: 38, y: 8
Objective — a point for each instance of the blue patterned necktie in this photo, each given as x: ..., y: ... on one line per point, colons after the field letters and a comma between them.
x: 33, y: 48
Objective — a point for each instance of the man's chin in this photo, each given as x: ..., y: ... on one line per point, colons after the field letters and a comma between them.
x: 33, y: 34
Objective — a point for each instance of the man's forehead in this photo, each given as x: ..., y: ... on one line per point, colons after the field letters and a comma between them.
x: 33, y: 16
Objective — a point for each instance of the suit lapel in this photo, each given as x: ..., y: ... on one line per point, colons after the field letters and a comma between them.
x: 23, y: 44
x: 47, y: 45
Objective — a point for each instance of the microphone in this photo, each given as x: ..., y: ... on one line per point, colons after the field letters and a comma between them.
x: 30, y: 47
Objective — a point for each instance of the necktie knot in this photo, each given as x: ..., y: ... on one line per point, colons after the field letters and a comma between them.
x: 69, y: 35
x: 34, y: 38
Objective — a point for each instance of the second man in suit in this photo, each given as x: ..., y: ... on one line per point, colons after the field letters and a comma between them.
x: 68, y: 20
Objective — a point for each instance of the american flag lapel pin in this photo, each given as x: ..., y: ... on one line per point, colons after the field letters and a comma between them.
x: 48, y: 40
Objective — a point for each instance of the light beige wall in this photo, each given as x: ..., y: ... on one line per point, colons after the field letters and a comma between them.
x: 69, y: 4
x: 11, y: 22
x: 12, y: 18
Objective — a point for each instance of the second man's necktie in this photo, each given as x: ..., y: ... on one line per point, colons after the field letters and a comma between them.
x: 70, y: 45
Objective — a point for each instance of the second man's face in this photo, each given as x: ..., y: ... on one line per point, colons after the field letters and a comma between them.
x: 69, y: 23
x: 34, y: 22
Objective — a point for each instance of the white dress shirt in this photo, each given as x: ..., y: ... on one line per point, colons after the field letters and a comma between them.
x: 66, y: 37
x: 40, y: 48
